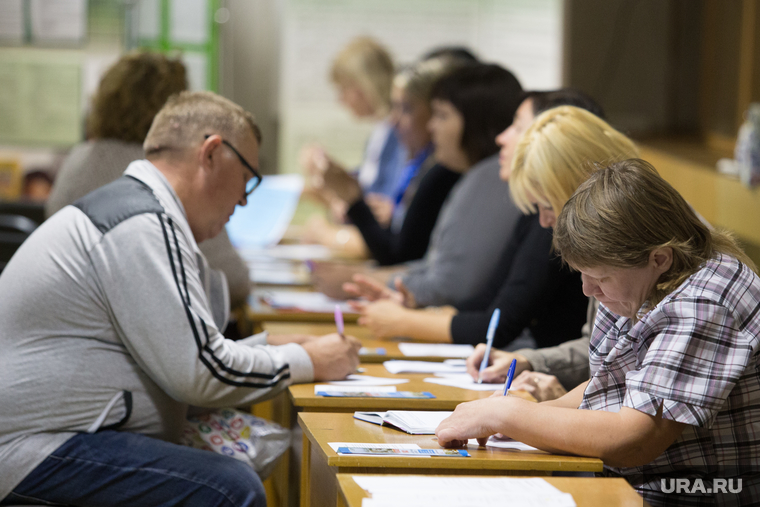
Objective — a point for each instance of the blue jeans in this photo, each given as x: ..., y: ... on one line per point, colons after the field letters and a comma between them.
x: 113, y: 468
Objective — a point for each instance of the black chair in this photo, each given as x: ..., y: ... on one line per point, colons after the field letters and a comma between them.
x: 14, y: 229
x: 33, y: 210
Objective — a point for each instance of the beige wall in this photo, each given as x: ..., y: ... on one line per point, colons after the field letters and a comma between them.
x: 250, y: 45
x: 638, y: 59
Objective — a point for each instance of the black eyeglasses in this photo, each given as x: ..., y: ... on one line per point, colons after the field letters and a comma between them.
x: 254, y: 182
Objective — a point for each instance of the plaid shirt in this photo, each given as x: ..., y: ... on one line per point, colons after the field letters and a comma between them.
x: 696, y: 354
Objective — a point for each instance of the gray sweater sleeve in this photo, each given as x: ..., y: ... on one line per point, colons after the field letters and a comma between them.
x: 164, y: 319
x: 568, y: 361
x: 472, y: 230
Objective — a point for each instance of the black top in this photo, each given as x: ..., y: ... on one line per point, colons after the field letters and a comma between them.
x: 411, y: 242
x: 536, y: 291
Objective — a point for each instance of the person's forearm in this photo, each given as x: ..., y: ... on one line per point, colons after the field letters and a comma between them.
x: 621, y: 439
x: 386, y: 274
x: 572, y: 399
x: 426, y: 325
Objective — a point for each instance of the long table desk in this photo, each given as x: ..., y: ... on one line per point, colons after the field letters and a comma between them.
x: 320, y: 464
x: 301, y: 397
x: 446, y: 398
x: 586, y: 491
x: 390, y: 347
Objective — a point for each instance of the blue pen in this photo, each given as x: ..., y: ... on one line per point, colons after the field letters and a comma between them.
x: 489, y: 342
x: 510, y: 374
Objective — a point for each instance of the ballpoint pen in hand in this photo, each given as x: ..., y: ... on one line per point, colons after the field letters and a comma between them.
x: 510, y: 375
x: 339, y: 320
x: 489, y: 342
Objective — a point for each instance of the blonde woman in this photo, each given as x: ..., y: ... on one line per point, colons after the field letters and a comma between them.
x: 675, y: 386
x: 363, y: 74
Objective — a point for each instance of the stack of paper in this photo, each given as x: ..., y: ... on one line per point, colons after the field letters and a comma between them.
x: 396, y: 367
x: 412, y: 422
x: 435, y: 350
x: 315, y: 302
x: 408, y: 491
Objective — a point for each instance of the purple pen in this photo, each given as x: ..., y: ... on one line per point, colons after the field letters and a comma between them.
x: 339, y: 320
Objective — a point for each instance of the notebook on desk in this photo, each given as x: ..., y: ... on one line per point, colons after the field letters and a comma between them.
x: 408, y: 421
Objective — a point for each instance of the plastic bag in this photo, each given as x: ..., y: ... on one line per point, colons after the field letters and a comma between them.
x: 242, y: 436
x: 747, y: 151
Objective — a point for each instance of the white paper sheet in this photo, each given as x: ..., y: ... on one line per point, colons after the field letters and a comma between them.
x: 465, y: 498
x: 463, y: 381
x: 396, y: 367
x: 407, y: 490
x: 353, y: 389
x: 504, y: 443
x: 435, y: 350
x: 368, y: 380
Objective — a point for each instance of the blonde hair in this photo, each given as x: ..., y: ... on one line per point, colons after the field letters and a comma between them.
x: 623, y: 212
x: 419, y: 79
x: 188, y: 116
x: 130, y: 94
x: 556, y: 154
x: 366, y: 64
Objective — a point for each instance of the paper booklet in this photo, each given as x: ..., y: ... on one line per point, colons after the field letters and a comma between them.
x: 409, y: 421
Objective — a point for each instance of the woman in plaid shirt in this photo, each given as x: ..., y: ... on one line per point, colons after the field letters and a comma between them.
x: 675, y: 388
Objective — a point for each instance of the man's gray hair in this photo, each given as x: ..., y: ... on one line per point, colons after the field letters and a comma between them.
x: 188, y: 116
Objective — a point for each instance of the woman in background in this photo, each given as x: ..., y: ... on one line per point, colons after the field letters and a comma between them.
x: 470, y: 107
x: 533, y: 289
x: 424, y: 183
x: 130, y: 94
x: 363, y: 74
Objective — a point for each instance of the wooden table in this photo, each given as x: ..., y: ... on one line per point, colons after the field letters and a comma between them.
x: 586, y: 491
x: 321, y: 464
x: 364, y: 335
x: 446, y: 398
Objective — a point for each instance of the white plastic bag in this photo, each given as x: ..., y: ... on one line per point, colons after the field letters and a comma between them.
x: 242, y: 436
x: 747, y: 151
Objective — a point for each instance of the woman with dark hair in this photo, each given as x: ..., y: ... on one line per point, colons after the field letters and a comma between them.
x: 130, y: 94
x: 470, y: 106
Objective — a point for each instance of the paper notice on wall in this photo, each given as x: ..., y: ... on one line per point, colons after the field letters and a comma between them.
x: 149, y: 20
x: 11, y: 21
x: 188, y: 21
x: 59, y: 20
x: 40, y: 99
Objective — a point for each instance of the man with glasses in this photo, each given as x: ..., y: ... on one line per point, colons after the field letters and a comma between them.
x: 107, y: 331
